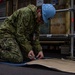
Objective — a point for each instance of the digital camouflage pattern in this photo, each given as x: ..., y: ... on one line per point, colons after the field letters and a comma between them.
x: 16, y: 35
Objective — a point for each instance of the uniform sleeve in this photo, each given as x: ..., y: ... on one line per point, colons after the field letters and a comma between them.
x: 36, y: 42
x: 23, y: 20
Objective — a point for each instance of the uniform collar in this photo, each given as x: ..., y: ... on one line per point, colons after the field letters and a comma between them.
x: 33, y: 9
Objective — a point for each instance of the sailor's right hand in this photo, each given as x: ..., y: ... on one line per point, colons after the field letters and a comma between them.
x: 31, y: 55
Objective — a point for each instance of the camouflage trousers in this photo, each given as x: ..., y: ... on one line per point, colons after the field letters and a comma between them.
x: 9, y: 50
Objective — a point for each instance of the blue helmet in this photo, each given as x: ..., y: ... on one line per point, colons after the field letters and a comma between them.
x: 48, y: 11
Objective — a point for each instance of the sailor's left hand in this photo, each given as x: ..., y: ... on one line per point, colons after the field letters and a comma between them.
x: 40, y: 55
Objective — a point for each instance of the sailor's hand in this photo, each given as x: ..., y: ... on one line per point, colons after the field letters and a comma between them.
x: 31, y: 55
x: 40, y: 55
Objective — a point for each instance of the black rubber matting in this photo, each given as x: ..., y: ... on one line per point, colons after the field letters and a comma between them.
x: 36, y: 70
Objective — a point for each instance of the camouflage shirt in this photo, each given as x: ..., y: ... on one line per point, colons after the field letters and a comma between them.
x: 22, y: 25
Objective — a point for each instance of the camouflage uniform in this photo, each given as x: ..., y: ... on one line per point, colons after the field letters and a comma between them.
x: 16, y: 35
